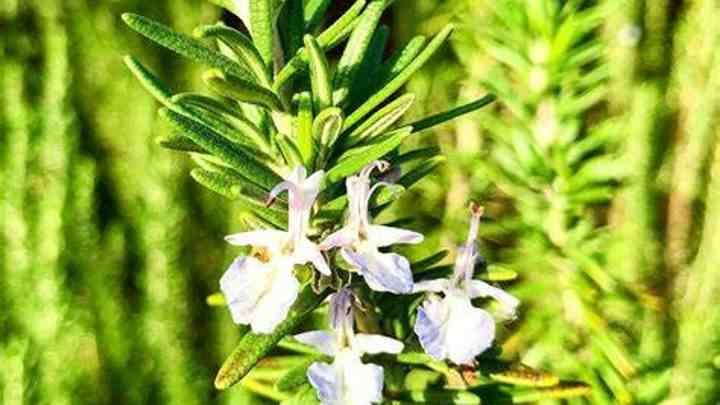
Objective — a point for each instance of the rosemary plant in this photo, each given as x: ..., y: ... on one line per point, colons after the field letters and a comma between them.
x: 281, y: 118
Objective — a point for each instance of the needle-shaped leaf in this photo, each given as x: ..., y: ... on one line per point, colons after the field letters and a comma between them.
x: 422, y: 170
x: 526, y: 377
x: 497, y: 273
x: 224, y: 113
x: 183, y: 45
x: 304, y: 396
x: 242, y: 90
x: 223, y: 149
x: 326, y: 129
x: 398, y: 81
x: 232, y: 188
x: 261, y: 28
x: 149, y: 81
x: 304, y: 129
x: 422, y: 153
x: 329, y: 38
x: 241, y: 46
x: 319, y: 75
x: 313, y: 12
x: 289, y: 150
x: 291, y: 26
x: 354, y: 160
x: 351, y: 60
x: 380, y: 121
x: 401, y: 59
x: 253, y: 347
x: 446, y: 116
x: 371, y: 64
x: 564, y: 390
x: 179, y: 143
x: 296, y: 376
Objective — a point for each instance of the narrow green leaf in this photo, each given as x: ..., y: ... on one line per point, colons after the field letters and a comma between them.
x: 429, y: 261
x: 304, y: 396
x: 422, y: 153
x: 296, y: 376
x: 326, y: 129
x: 253, y: 347
x: 241, y: 46
x: 367, y: 78
x: 327, y: 40
x: 422, y: 170
x: 380, y: 121
x: 242, y: 90
x: 149, y: 81
x: 304, y: 129
x: 319, y: 75
x: 525, y: 377
x: 445, y: 116
x: 179, y: 143
x: 183, y: 45
x: 225, y: 113
x: 497, y: 273
x: 313, y: 12
x: 357, y: 158
x: 217, y: 145
x: 400, y: 59
x: 400, y: 80
x: 351, y: 60
x: 564, y: 390
x: 440, y: 396
x: 289, y: 150
x: 233, y: 187
x: 261, y: 28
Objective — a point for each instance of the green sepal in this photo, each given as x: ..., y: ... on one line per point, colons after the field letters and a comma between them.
x: 242, y: 90
x: 253, y: 347
x: 223, y: 149
x: 183, y: 45
x: 398, y: 81
x: 380, y: 121
x: 322, y: 89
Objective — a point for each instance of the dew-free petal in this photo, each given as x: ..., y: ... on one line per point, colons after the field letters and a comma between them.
x: 381, y: 235
x: 374, y: 344
x: 273, y: 306
x: 243, y: 284
x: 384, y: 272
x: 321, y: 340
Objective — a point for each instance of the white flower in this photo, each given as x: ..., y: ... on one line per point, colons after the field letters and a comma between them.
x: 451, y: 328
x: 260, y: 293
x: 347, y: 381
x: 361, y: 240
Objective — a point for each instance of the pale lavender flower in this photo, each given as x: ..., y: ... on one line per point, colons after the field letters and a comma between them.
x: 260, y: 293
x: 360, y: 240
x: 347, y: 381
x: 451, y: 327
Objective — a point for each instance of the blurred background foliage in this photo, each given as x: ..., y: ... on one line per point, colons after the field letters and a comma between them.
x: 598, y: 166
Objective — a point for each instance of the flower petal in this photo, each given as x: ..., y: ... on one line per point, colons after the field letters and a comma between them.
x: 273, y: 306
x: 508, y: 303
x: 343, y: 237
x: 437, y: 285
x: 243, y: 284
x: 386, y: 235
x: 431, y: 317
x: 453, y: 329
x: 362, y: 384
x: 388, y: 272
x: 321, y: 340
x: 307, y: 251
x: 374, y: 344
x: 324, y: 378
x: 267, y: 238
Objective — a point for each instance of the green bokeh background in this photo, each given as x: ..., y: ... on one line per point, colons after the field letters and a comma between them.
x: 108, y: 249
